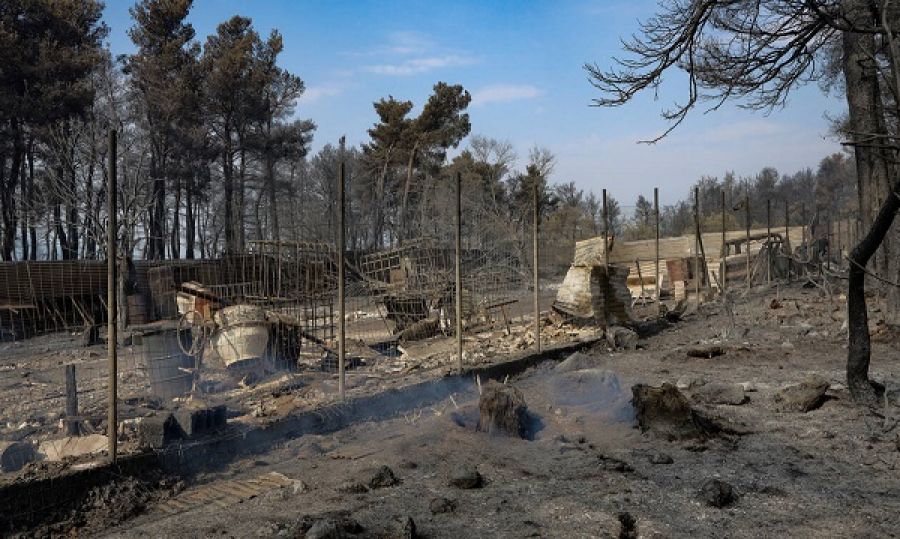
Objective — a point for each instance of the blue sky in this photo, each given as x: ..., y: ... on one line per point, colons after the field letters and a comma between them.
x: 522, y: 62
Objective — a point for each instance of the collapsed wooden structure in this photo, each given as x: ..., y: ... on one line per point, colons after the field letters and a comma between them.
x: 678, y: 258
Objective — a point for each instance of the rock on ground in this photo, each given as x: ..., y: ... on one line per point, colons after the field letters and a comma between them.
x: 687, y: 382
x: 502, y: 409
x: 404, y: 528
x: 717, y: 493
x: 621, y: 338
x: 666, y: 411
x: 466, y: 476
x: 383, y: 477
x: 332, y: 525
x: 720, y: 393
x: 803, y: 397
x: 705, y: 351
x: 579, y: 361
x: 15, y: 455
x: 441, y: 505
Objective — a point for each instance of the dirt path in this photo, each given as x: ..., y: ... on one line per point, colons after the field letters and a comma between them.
x: 831, y: 472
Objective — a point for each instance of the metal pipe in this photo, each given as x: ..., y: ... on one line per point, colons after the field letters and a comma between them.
x: 342, y: 307
x: 537, y: 284
x: 656, y: 246
x: 605, y: 254
x: 747, y: 248
x: 768, y: 243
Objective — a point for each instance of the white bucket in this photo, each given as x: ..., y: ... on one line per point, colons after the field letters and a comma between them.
x: 243, y: 334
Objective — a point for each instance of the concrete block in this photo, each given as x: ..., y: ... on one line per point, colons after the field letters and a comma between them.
x: 155, y: 432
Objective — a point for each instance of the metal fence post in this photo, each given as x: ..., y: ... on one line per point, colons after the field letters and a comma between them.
x: 747, y: 248
x: 656, y: 245
x: 787, y: 239
x: 724, y: 270
x: 459, y: 341
x: 697, y: 270
x: 112, y: 420
x: 341, y: 247
x: 536, y: 249
x: 605, y: 256
x: 768, y: 243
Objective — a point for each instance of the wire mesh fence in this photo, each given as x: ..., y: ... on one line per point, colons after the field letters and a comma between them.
x: 258, y: 330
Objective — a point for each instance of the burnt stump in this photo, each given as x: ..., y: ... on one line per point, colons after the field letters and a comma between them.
x: 502, y: 410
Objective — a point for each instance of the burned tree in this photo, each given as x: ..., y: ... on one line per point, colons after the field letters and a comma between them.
x: 758, y: 52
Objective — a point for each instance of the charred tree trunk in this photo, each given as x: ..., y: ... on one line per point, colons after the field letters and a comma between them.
x: 156, y: 244
x: 864, y: 102
x: 859, y: 346
x: 71, y: 203
x: 401, y: 234
x: 175, y: 233
x: 29, y: 202
x: 241, y: 198
x: 23, y: 206
x: 273, y: 200
x: 189, y: 219
x: 7, y: 197
x: 228, y: 177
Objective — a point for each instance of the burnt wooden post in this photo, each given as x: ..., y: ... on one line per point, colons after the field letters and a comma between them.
x: 72, y: 426
x: 342, y: 307
x: 458, y: 277
x: 536, y: 251
x: 605, y: 257
x: 723, y: 278
x: 656, y: 245
x: 112, y: 420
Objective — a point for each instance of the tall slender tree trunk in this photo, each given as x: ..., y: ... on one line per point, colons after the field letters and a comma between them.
x: 866, y: 117
x: 7, y: 197
x: 23, y: 206
x: 189, y: 218
x: 379, y: 201
x: 406, y: 187
x: 242, y: 193
x: 273, y: 198
x: 175, y: 233
x: 71, y: 203
x: 228, y: 177
x: 29, y: 202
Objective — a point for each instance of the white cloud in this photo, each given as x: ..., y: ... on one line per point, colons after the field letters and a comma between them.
x: 408, y: 42
x: 321, y: 91
x: 404, y: 43
x: 502, y: 93
x: 414, y: 66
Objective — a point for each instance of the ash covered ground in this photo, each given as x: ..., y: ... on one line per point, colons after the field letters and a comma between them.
x: 585, y: 469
